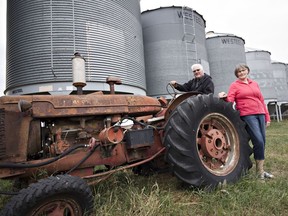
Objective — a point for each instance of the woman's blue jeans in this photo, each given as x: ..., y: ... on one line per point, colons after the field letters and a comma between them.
x: 255, y: 126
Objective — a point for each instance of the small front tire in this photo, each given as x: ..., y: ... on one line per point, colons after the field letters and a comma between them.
x: 55, y: 195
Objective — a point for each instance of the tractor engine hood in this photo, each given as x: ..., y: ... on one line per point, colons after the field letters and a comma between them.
x: 43, y: 106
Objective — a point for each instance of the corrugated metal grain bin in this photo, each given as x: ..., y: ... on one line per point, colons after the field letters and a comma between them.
x: 43, y: 35
x: 280, y: 80
x: 259, y: 62
x: 225, y: 51
x: 172, y: 43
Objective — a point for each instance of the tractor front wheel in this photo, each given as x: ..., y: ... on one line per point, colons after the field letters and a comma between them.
x: 56, y: 195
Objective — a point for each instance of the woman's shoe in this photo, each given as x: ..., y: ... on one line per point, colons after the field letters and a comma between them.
x: 268, y: 175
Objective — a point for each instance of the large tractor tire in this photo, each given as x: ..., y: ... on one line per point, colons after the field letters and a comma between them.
x: 206, y: 142
x: 56, y: 195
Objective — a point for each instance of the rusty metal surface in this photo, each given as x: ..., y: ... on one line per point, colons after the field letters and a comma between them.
x: 84, y: 105
x: 2, y: 133
x: 111, y: 135
x: 218, y: 147
x: 155, y: 155
x: 214, y: 144
x: 71, y: 120
x: 8, y: 173
x: 83, y: 172
x: 17, y: 129
x: 117, y: 158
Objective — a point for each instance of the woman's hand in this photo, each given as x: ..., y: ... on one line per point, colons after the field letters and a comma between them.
x: 222, y: 95
x: 267, y: 124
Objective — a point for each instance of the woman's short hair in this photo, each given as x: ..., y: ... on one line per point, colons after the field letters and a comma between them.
x: 239, y: 67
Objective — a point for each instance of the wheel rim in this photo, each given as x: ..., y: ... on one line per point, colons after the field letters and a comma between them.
x: 57, y: 207
x: 218, y: 144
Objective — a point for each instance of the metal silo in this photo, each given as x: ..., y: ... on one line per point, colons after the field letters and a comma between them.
x: 43, y: 35
x: 174, y: 39
x: 280, y: 80
x: 225, y: 51
x: 259, y: 62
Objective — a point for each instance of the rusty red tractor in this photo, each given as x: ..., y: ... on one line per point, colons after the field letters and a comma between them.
x: 77, y: 140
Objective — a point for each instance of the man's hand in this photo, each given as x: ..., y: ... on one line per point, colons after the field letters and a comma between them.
x: 173, y: 83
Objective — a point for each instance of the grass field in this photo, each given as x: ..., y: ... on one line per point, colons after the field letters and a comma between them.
x: 162, y: 194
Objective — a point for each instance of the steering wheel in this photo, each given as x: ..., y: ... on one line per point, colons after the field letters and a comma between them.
x: 172, y: 94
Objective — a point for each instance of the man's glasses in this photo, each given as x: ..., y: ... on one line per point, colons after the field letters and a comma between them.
x: 196, y: 70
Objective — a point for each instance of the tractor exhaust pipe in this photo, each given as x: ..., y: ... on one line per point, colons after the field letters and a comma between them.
x: 78, y: 70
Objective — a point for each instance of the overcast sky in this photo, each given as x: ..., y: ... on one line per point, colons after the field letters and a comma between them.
x: 263, y: 24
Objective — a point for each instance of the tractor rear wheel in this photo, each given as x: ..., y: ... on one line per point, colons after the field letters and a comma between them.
x: 206, y: 142
x: 56, y: 195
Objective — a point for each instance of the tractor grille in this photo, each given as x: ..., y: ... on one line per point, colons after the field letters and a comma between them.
x: 2, y: 133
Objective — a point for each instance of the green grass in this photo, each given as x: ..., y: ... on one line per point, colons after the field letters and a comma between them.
x: 4, y: 186
x: 127, y: 194
x: 162, y: 194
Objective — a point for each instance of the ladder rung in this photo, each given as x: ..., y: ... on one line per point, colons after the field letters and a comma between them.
x: 190, y: 41
x: 189, y: 33
x: 188, y: 25
x: 192, y: 50
x: 189, y: 30
x: 187, y: 17
x: 191, y: 37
